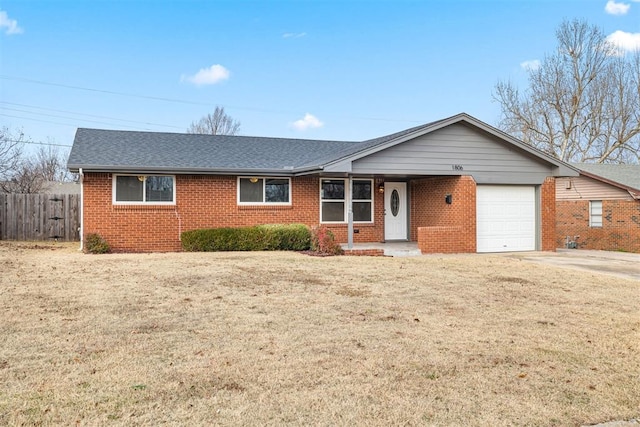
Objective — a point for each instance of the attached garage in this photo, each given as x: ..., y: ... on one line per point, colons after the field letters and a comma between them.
x: 506, y: 218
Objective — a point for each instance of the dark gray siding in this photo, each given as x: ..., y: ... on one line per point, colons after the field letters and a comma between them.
x: 445, y: 151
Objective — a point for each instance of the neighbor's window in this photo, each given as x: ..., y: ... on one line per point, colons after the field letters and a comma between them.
x: 264, y: 191
x: 133, y: 189
x: 595, y: 213
x: 333, y: 200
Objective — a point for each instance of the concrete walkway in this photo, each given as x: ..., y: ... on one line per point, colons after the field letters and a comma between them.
x: 618, y: 264
x: 395, y: 249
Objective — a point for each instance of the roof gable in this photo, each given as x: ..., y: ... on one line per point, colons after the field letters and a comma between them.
x: 376, y: 147
x: 456, y: 149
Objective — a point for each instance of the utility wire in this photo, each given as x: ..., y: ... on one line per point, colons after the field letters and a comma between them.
x: 183, y: 101
x: 88, y: 115
x: 66, y: 117
x: 37, y: 143
x: 38, y: 120
x: 110, y: 92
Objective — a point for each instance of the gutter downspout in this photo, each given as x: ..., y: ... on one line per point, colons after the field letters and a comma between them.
x: 81, y: 209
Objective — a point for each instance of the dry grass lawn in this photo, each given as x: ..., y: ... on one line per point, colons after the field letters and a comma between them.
x: 284, y: 338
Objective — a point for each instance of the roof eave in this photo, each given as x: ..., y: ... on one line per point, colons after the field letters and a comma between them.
x: 289, y: 171
x: 633, y: 192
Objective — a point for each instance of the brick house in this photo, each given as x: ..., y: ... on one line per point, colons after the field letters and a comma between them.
x: 454, y: 185
x: 600, y: 208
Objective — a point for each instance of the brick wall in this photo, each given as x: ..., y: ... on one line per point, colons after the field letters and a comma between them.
x: 440, y: 227
x: 204, y: 201
x: 620, y: 229
x: 548, y: 214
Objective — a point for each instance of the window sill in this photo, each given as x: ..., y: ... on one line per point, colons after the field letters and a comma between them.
x: 359, y: 224
x: 147, y: 207
x: 264, y: 207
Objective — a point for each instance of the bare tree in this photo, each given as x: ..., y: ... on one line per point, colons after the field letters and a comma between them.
x: 10, y: 152
x: 51, y: 163
x: 25, y: 178
x: 218, y: 123
x: 582, y: 103
x: 35, y: 173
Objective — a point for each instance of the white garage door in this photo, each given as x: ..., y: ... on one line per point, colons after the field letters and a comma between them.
x: 506, y: 218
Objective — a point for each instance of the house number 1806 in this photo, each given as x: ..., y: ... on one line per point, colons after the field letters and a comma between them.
x: 457, y: 167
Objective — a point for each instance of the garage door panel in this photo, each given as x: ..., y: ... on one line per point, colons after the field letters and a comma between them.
x: 506, y: 218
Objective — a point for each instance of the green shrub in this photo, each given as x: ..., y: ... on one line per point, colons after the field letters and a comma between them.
x: 95, y: 244
x: 323, y: 241
x: 291, y: 237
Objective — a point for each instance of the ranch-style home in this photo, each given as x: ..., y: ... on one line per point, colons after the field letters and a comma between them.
x: 453, y: 185
x: 600, y: 208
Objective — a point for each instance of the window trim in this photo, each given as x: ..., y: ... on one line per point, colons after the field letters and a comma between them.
x: 114, y: 181
x: 347, y: 198
x: 264, y: 184
x: 591, y: 214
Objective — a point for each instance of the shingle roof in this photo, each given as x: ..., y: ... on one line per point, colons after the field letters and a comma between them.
x: 99, y: 149
x: 627, y: 175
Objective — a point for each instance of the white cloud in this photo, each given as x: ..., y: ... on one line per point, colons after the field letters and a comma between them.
x: 531, y: 64
x: 296, y: 35
x: 613, y: 8
x: 309, y: 121
x: 625, y: 42
x: 208, y: 76
x: 10, y: 25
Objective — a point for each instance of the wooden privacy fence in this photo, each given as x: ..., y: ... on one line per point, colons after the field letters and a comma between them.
x: 40, y: 217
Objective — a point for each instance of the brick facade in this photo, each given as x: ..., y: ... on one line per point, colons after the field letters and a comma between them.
x: 548, y: 215
x: 203, y: 201
x: 439, y: 227
x: 210, y: 201
x: 620, y: 229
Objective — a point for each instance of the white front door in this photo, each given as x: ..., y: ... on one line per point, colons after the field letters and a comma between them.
x: 395, y: 211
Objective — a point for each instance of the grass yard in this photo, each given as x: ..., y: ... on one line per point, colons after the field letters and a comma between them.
x: 284, y: 338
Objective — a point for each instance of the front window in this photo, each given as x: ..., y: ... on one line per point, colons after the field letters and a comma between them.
x: 264, y: 191
x: 595, y: 213
x: 334, y: 196
x: 140, y: 189
x: 362, y: 200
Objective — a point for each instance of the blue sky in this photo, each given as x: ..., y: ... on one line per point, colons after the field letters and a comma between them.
x: 347, y: 70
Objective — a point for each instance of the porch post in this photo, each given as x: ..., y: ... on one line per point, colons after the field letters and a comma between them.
x: 350, y: 215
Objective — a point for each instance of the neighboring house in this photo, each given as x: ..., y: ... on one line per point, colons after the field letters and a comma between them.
x: 454, y: 185
x: 49, y: 187
x: 600, y: 209
x: 56, y: 187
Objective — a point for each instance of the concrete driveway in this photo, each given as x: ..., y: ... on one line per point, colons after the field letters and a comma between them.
x: 620, y: 264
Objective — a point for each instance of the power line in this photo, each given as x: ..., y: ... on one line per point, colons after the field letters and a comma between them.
x: 67, y: 118
x: 37, y: 143
x: 110, y: 92
x: 183, y: 101
x: 38, y: 120
x: 88, y: 115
